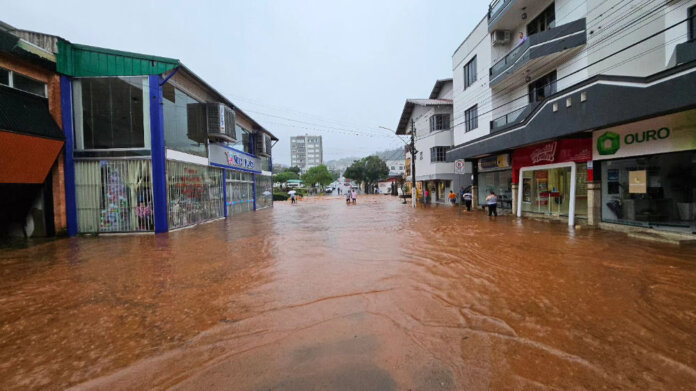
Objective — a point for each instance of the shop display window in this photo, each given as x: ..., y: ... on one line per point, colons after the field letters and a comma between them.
x: 548, y: 191
x: 498, y: 181
x: 194, y: 193
x: 240, y: 192
x: 652, y: 191
x: 114, y: 196
x: 264, y: 191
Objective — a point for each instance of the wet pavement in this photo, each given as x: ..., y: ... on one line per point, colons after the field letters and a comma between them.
x: 376, y: 296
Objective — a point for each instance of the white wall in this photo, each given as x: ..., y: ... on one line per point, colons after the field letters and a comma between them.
x: 477, y: 44
x: 426, y: 140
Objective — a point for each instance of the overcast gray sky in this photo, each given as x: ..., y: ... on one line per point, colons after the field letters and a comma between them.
x: 335, y: 68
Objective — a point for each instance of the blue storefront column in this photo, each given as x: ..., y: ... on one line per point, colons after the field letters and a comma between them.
x: 159, y: 158
x: 69, y: 169
x: 253, y: 186
x: 224, y: 190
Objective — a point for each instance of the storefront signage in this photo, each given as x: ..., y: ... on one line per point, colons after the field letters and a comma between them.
x: 567, y: 150
x: 547, y: 153
x: 494, y: 162
x: 670, y: 133
x: 228, y: 157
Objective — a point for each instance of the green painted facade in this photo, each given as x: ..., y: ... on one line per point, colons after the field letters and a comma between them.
x: 85, y: 61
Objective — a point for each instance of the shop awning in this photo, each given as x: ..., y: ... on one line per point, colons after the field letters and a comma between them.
x: 30, y: 139
x: 84, y: 61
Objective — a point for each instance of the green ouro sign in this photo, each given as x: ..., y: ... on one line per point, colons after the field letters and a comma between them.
x: 609, y: 142
x: 668, y: 133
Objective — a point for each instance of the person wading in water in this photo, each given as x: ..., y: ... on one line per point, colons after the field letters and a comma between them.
x: 492, y: 201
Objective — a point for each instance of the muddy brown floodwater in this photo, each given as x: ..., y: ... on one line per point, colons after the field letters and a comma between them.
x: 376, y: 296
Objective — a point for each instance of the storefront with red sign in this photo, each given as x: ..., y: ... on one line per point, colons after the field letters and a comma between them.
x: 552, y: 178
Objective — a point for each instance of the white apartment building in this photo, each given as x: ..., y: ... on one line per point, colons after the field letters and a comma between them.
x: 582, y: 110
x: 306, y: 152
x: 396, y: 167
x: 432, y: 121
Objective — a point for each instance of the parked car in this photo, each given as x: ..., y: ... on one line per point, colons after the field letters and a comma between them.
x: 328, y: 190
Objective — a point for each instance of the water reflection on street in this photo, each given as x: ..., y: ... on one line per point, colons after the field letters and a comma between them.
x: 375, y: 296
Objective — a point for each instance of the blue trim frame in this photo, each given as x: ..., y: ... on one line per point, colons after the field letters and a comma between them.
x: 159, y: 157
x: 224, y: 190
x: 236, y: 150
x: 254, y: 190
x: 234, y: 168
x: 69, y: 169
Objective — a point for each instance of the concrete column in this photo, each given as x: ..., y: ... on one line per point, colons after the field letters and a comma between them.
x: 594, y: 203
x: 515, y: 187
x: 474, y: 196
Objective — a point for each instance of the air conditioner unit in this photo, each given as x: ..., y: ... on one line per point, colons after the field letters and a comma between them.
x: 263, y: 144
x: 500, y: 37
x: 210, y: 120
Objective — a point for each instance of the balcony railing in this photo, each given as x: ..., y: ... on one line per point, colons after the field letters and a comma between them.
x: 507, y: 118
x: 554, y: 40
x: 495, y: 7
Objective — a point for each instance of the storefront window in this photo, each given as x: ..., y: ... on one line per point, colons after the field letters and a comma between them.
x: 498, y: 181
x: 264, y: 191
x: 240, y: 192
x: 114, y: 196
x: 265, y: 163
x: 548, y: 191
x: 194, y: 193
x: 176, y: 132
x: 111, y: 112
x: 652, y: 191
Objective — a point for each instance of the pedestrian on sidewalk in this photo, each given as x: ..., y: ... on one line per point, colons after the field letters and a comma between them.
x: 466, y: 198
x: 492, y: 202
x: 452, y: 198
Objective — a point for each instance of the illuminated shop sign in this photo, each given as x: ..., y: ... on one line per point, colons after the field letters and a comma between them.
x: 670, y: 133
x: 494, y: 162
x: 224, y: 156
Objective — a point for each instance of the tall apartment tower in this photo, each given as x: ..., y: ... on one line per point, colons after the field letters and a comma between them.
x: 306, y: 152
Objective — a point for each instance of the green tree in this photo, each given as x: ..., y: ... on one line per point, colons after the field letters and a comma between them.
x: 285, y: 176
x: 319, y: 174
x: 367, y: 170
x: 295, y: 169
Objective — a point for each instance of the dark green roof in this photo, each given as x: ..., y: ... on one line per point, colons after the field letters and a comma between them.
x: 82, y: 60
x: 26, y: 113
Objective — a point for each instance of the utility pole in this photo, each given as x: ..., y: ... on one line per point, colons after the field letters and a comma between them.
x: 412, y: 147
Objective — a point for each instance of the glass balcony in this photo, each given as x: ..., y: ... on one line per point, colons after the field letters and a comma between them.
x: 545, y: 44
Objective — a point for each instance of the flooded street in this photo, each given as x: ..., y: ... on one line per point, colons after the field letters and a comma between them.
x: 376, y: 296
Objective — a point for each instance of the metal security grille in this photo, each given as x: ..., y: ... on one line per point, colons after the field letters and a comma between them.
x: 240, y: 192
x: 264, y: 191
x: 114, y: 196
x: 194, y: 193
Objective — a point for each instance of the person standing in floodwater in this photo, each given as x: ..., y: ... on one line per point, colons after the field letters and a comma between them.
x: 348, y: 195
x: 492, y: 202
x: 354, y: 196
x: 452, y: 198
x: 466, y: 198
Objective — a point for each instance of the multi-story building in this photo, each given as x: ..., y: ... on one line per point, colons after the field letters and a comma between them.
x: 149, y: 145
x: 431, y: 122
x: 396, y: 168
x: 582, y: 110
x: 32, y: 193
x: 306, y: 152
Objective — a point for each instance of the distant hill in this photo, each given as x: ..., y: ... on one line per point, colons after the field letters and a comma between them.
x: 390, y: 154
